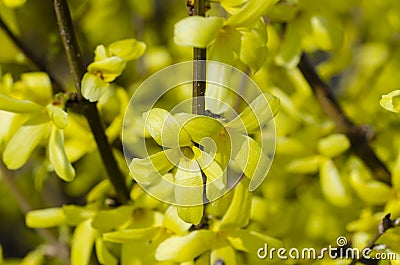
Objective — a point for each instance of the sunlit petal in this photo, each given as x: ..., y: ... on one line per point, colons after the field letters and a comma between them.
x: 165, y: 129
x: 58, y: 157
x: 21, y: 145
x: 148, y: 170
x: 185, y: 248
x: 189, y: 191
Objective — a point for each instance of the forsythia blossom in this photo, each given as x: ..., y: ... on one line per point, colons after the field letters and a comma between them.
x: 43, y: 121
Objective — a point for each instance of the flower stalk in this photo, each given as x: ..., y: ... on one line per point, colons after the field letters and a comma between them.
x: 199, y: 67
x: 88, y: 109
x: 358, y: 135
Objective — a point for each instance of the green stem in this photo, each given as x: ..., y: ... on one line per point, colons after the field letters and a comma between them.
x: 199, y: 67
x: 358, y: 135
x: 34, y: 62
x: 70, y: 43
x: 199, y: 87
x: 88, y: 109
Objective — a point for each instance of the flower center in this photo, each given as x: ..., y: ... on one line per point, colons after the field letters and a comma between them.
x: 187, y: 152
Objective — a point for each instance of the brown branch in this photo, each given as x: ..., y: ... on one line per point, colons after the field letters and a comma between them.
x: 384, y: 225
x: 358, y: 135
x: 34, y: 62
x: 70, y: 43
x: 88, y: 109
x: 199, y: 89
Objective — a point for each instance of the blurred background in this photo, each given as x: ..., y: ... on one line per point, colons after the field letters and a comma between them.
x: 361, y: 64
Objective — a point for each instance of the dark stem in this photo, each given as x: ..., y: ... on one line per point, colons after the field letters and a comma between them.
x: 70, y: 43
x: 88, y: 109
x: 114, y: 173
x: 34, y: 62
x: 358, y: 135
x: 384, y: 225
x: 199, y: 86
x: 199, y: 67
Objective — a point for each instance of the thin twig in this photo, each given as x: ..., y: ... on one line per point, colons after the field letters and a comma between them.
x: 34, y: 62
x: 357, y: 135
x: 384, y: 225
x: 88, y: 109
x: 199, y: 67
x: 70, y: 43
x: 199, y: 89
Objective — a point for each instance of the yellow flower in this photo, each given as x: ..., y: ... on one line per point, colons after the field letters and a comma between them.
x: 42, y: 122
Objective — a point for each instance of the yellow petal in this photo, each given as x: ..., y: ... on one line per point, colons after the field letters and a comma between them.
x: 174, y: 223
x: 332, y: 185
x: 21, y: 145
x: 103, y: 254
x: 101, y: 53
x: 251, y: 160
x: 199, y: 127
x: 218, y: 99
x: 82, y: 243
x: 391, y: 101
x: 191, y: 214
x: 250, y: 241
x: 38, y: 85
x: 260, y: 111
x: 109, y: 69
x: 165, y: 129
x: 238, y: 213
x: 163, y: 189
x: 304, y: 165
x: 290, y: 48
x: 58, y: 157
x: 185, y: 248
x: 111, y: 219
x: 333, y: 145
x: 250, y: 12
x: 128, y: 235
x: 225, y: 253
x: 144, y: 253
x: 369, y: 190
x: 197, y: 31
x: 93, y: 87
x: 13, y: 3
x: 58, y: 116
x: 10, y: 122
x: 18, y: 106
x: 35, y: 257
x: 148, y: 170
x: 77, y: 214
x: 210, y: 168
x: 189, y: 191
x: 253, y: 47
x: 326, y: 33
x: 44, y: 218
x: 216, y: 181
x: 128, y: 49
